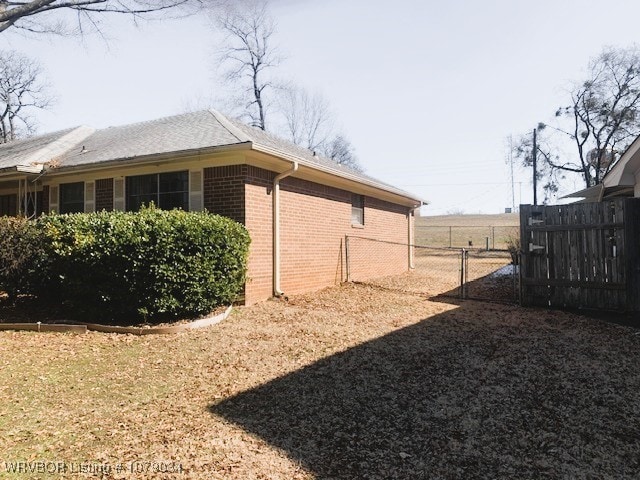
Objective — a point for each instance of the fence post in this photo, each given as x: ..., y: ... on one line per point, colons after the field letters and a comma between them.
x: 449, y: 236
x: 517, y: 278
x: 466, y: 274
x: 346, y: 253
x: 462, y: 272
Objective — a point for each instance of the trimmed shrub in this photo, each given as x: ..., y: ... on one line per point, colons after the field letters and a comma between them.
x: 152, y: 266
x: 22, y: 256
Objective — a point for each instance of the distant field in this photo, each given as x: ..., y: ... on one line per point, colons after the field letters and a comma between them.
x: 457, y: 231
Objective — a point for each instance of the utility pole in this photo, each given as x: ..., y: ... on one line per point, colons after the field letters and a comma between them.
x: 513, y: 192
x: 535, y: 167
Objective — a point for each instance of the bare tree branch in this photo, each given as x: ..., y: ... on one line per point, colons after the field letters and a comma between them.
x: 249, y: 55
x: 39, y: 16
x: 22, y: 89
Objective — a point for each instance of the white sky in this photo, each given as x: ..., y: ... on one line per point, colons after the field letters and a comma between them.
x: 427, y: 91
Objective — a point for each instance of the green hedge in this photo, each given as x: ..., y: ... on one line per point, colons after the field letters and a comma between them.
x: 22, y: 256
x: 122, y: 268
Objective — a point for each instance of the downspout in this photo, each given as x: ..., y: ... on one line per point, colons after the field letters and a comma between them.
x: 411, y: 235
x: 276, y: 227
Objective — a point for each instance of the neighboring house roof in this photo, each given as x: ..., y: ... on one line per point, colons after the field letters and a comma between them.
x: 619, y: 181
x: 179, y: 134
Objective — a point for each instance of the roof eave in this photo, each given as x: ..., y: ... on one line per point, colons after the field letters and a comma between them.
x: 28, y: 169
x: 417, y: 202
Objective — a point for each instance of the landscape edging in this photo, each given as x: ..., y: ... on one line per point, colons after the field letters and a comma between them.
x: 81, y: 327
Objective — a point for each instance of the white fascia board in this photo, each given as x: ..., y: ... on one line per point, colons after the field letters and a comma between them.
x: 38, y: 168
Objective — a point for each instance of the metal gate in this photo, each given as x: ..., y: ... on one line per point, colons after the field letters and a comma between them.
x: 581, y: 255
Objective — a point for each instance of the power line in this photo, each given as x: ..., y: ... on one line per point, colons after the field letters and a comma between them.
x: 452, y: 184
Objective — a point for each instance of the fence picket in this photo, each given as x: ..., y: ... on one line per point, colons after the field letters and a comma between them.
x: 587, y: 260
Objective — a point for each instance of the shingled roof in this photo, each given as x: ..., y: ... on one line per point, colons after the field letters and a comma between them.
x: 180, y: 134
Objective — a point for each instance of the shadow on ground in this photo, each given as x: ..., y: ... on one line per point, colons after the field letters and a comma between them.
x: 499, y: 286
x: 482, y: 391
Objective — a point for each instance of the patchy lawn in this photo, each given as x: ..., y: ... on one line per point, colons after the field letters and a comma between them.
x: 351, y: 382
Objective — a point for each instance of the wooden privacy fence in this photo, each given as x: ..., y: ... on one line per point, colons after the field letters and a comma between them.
x: 581, y: 255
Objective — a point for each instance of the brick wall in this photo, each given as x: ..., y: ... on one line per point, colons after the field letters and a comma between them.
x: 104, y: 194
x: 224, y: 191
x: 259, y: 205
x: 314, y: 221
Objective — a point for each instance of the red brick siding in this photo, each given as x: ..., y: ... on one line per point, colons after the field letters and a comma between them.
x: 224, y: 191
x: 45, y: 199
x: 315, y: 220
x: 104, y: 194
x: 259, y: 205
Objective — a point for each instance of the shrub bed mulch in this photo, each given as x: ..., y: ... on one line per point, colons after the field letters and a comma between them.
x: 350, y: 382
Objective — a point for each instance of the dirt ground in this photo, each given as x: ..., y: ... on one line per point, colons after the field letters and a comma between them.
x: 351, y: 382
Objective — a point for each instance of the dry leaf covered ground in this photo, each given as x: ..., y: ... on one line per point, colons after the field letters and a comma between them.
x: 350, y: 382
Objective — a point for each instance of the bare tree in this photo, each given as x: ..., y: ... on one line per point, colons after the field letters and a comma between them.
x: 597, y: 126
x: 47, y: 16
x: 308, y: 119
x: 310, y: 123
x: 22, y: 90
x: 248, y: 55
x: 340, y: 150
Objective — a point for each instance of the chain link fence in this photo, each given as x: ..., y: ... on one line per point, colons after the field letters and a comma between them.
x: 435, y: 271
x: 467, y: 236
x: 490, y: 275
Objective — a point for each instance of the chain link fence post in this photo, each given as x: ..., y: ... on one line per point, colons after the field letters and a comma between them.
x: 462, y: 272
x: 346, y: 254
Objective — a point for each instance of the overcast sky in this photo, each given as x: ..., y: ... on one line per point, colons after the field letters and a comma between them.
x: 427, y: 91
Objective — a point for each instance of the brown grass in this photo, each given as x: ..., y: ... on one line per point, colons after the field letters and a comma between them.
x: 485, y: 220
x: 458, y: 230
x: 350, y: 382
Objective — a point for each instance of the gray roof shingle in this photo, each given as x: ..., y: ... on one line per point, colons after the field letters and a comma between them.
x: 22, y: 152
x: 190, y: 131
x: 180, y: 133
